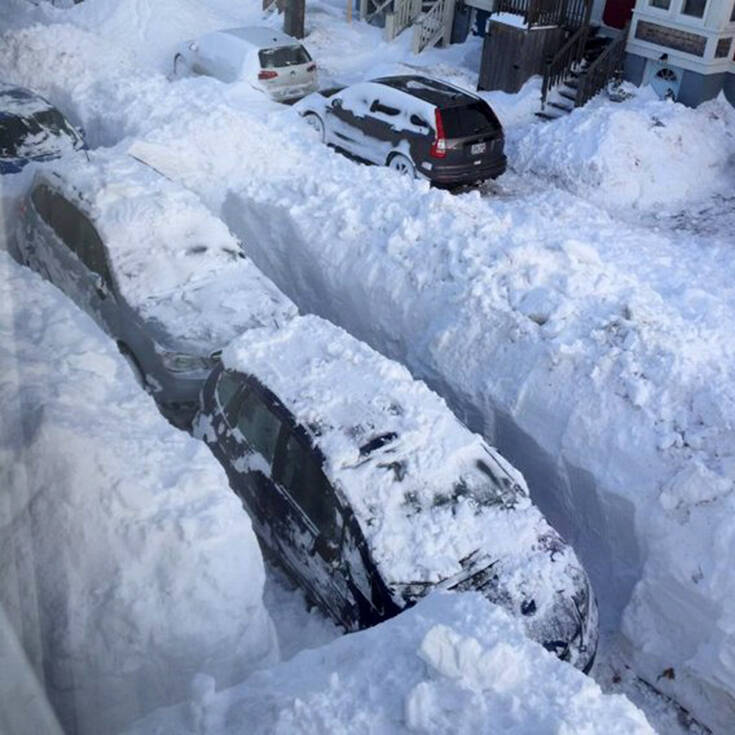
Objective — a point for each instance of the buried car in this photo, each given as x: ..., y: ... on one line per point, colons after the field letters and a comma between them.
x: 32, y: 129
x: 369, y: 491
x: 267, y: 59
x: 414, y: 125
x: 152, y: 265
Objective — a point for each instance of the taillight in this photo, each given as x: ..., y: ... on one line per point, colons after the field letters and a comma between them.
x: 439, y: 146
x: 311, y: 67
x: 266, y: 74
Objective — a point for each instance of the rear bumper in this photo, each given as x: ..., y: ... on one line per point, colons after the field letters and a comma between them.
x: 281, y: 93
x: 466, y: 173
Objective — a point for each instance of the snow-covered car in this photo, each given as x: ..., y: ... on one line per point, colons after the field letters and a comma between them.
x: 267, y: 59
x: 152, y: 265
x: 413, y: 124
x: 32, y: 129
x: 370, y: 492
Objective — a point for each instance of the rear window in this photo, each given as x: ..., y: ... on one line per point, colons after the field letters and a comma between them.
x: 19, y: 136
x: 275, y: 58
x: 470, y: 119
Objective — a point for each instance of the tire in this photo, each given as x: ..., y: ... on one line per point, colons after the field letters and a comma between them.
x: 403, y: 165
x: 314, y: 121
x: 132, y: 361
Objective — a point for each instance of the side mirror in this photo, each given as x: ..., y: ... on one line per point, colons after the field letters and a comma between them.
x: 337, y: 103
x: 194, y: 46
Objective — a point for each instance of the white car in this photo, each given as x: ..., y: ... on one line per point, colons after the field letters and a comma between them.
x: 267, y: 59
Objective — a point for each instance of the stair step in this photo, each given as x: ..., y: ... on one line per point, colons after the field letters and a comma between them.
x: 567, y: 95
x: 558, y: 106
x: 572, y: 83
x: 547, y: 116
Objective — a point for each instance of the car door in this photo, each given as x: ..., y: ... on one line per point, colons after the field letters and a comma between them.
x: 345, y: 121
x: 312, y: 538
x: 383, y: 123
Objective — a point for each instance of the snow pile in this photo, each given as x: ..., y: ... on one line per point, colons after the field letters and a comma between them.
x: 452, y: 664
x: 126, y: 564
x: 642, y: 153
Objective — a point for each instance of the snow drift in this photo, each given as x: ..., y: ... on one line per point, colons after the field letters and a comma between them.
x: 453, y: 665
x: 126, y: 564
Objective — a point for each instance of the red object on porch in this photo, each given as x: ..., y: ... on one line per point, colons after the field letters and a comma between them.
x: 618, y: 12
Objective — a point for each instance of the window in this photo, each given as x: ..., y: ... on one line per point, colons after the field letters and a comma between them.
x: 65, y: 219
x: 695, y: 8
x: 40, y: 198
x: 723, y: 48
x: 227, y: 386
x: 258, y: 425
x: 275, y: 58
x: 91, y: 251
x: 476, y: 117
x: 305, y: 482
x: 663, y: 4
x: 377, y: 106
x: 419, y: 122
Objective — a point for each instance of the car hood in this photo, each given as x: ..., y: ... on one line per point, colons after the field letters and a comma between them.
x: 202, y: 316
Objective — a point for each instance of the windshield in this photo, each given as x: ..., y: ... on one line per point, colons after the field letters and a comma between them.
x: 45, y: 132
x: 274, y: 58
x: 470, y: 119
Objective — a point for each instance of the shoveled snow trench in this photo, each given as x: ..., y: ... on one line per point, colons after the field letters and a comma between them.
x: 591, y: 351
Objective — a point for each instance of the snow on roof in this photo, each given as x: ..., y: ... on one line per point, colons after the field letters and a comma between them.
x: 172, y: 259
x: 20, y: 101
x: 261, y: 36
x: 430, y: 90
x: 426, y: 491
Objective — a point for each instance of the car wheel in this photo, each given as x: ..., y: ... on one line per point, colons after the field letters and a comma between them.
x: 314, y: 121
x: 402, y: 165
x: 181, y: 68
x: 132, y: 360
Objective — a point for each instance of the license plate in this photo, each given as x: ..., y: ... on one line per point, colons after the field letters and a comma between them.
x: 478, y: 148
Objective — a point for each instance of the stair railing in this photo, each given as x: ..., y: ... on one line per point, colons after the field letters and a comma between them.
x: 405, y: 13
x: 606, y: 66
x: 561, y: 63
x: 433, y: 26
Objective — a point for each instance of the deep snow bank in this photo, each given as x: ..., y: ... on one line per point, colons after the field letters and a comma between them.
x: 126, y: 564
x: 643, y: 153
x: 454, y: 664
x: 582, y: 350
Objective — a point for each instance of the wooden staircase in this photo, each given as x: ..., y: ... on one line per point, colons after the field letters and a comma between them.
x: 431, y: 19
x: 581, y: 68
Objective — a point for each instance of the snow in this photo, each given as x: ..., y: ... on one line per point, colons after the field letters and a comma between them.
x: 452, y: 664
x: 440, y: 507
x: 577, y: 312
x: 175, y: 263
x: 127, y: 565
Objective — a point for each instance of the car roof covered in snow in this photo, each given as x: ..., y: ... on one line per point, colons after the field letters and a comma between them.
x: 261, y: 36
x: 426, y: 491
x: 172, y: 259
x: 429, y: 90
x: 20, y: 101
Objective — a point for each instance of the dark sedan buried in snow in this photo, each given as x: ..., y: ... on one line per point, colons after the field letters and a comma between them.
x: 369, y: 491
x: 414, y: 125
x: 163, y: 276
x: 31, y: 129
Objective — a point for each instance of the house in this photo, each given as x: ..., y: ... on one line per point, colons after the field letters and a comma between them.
x: 683, y: 48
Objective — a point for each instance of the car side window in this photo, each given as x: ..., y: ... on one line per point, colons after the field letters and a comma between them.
x: 259, y: 425
x: 302, y: 476
x: 227, y: 386
x: 91, y: 251
x: 40, y: 199
x: 65, y: 220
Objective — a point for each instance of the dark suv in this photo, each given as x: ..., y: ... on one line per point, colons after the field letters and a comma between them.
x: 31, y: 129
x: 368, y: 490
x: 413, y: 124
